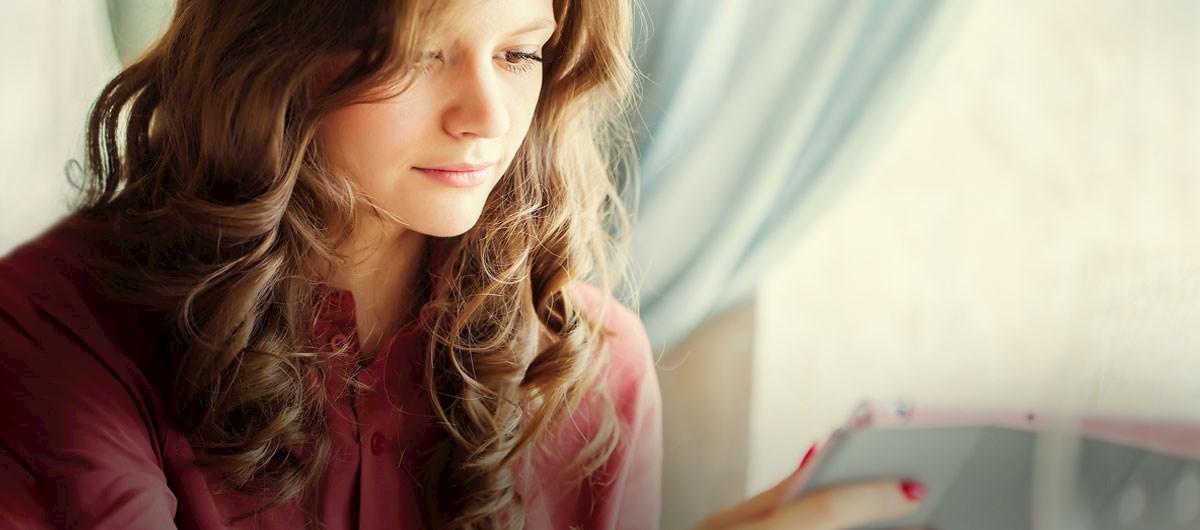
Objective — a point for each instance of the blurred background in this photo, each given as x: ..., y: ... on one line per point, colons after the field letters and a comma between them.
x: 981, y: 204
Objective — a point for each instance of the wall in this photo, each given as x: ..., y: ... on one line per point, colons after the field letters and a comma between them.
x: 57, y: 56
x: 705, y: 384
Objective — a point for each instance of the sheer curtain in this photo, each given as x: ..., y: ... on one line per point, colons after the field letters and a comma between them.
x: 757, y: 113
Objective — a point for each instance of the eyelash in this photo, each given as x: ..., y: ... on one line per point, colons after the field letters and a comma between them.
x: 526, y: 61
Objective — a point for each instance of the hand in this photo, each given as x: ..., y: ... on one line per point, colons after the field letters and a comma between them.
x: 832, y: 508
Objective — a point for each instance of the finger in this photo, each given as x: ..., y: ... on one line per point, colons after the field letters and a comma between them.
x: 760, y: 504
x: 848, y: 505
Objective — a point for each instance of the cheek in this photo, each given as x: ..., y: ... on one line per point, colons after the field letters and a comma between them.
x: 527, y: 102
x: 521, y: 109
x: 368, y: 141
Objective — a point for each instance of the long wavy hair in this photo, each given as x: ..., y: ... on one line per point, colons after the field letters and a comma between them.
x: 202, y: 167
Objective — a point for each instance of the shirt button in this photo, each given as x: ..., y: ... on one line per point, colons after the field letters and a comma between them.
x: 378, y: 444
x: 339, y: 340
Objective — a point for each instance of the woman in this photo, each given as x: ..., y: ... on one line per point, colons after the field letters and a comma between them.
x: 347, y: 265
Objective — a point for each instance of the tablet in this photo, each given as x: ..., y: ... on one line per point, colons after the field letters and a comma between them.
x: 1020, y: 471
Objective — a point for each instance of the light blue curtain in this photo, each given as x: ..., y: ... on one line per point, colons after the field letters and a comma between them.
x: 757, y: 113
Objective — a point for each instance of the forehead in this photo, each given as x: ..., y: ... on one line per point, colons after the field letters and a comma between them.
x: 493, y: 18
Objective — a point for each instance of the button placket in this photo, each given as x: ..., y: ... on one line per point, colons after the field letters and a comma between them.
x: 379, y: 450
x: 374, y: 414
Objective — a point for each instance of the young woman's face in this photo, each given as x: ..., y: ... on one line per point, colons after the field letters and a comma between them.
x: 431, y: 155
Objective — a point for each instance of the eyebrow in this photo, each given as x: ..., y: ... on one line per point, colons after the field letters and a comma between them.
x: 536, y: 25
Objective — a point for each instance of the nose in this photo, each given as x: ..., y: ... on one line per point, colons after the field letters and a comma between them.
x: 476, y: 106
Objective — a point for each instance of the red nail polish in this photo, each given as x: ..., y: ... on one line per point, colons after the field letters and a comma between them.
x: 812, y: 450
x: 913, y: 490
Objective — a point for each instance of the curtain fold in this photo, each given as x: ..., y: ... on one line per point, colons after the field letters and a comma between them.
x: 757, y: 113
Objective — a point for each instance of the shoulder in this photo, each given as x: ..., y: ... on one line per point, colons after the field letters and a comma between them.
x: 51, y: 278
x: 46, y: 268
x: 52, y: 315
x: 632, y: 359
x: 631, y: 381
x: 628, y: 380
x: 37, y: 296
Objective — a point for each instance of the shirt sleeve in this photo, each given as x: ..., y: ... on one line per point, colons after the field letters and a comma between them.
x: 76, y: 445
x: 19, y: 509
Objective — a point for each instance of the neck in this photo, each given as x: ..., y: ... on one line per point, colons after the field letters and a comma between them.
x: 384, y: 269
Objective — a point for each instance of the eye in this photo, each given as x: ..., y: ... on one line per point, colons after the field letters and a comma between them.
x: 519, y: 61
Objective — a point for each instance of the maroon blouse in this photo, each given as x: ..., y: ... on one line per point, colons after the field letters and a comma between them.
x: 85, y: 441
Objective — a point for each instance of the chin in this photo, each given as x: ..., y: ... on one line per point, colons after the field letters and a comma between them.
x: 447, y: 227
x: 447, y: 232
x: 440, y: 212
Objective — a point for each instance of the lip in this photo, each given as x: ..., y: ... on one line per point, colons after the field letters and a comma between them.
x: 459, y: 175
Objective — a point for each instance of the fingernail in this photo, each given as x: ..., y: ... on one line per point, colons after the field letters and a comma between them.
x: 913, y: 490
x: 812, y: 450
